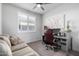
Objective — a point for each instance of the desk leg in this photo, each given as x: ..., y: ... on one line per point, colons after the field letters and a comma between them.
x: 67, y: 47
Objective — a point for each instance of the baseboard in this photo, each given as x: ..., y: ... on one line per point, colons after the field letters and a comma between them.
x: 34, y: 41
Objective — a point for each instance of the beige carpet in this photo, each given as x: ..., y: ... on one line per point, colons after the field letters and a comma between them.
x: 41, y: 49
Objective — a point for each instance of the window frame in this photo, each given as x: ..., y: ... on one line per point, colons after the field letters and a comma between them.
x: 19, y: 20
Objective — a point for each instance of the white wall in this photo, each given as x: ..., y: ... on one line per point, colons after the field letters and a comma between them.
x: 10, y: 23
x: 72, y: 14
x: 0, y: 18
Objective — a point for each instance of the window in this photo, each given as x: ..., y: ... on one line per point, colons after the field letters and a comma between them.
x: 27, y: 23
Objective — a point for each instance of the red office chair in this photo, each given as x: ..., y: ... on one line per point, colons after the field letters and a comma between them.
x: 49, y: 39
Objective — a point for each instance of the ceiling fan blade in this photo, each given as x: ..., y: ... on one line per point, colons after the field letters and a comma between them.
x: 46, y: 3
x: 43, y: 3
x: 42, y: 8
x: 34, y: 6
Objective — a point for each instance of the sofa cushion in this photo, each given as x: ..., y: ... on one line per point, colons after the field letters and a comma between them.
x: 6, y: 39
x: 18, y: 47
x: 4, y: 49
x: 27, y: 51
x: 15, y: 40
x: 6, y: 35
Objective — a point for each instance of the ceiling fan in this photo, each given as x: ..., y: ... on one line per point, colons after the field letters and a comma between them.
x: 40, y: 5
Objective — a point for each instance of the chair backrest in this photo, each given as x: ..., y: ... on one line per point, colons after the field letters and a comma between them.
x: 49, y: 37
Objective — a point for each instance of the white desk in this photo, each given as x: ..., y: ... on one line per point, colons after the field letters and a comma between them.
x: 66, y: 41
x: 61, y: 37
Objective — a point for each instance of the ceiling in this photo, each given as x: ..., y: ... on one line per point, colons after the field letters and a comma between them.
x: 29, y: 6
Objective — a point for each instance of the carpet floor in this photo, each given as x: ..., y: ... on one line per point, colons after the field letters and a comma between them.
x: 40, y: 48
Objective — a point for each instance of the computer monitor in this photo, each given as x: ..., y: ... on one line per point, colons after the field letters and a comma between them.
x: 56, y: 30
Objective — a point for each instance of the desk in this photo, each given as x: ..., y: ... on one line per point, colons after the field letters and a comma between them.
x: 60, y: 37
x: 64, y: 42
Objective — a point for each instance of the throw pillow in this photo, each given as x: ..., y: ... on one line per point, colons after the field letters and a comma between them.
x: 15, y: 40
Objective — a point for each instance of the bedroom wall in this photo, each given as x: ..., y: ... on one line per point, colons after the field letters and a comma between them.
x: 72, y: 14
x: 0, y: 18
x: 10, y: 23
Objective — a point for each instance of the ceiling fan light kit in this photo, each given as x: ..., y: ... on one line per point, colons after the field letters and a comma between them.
x: 40, y: 5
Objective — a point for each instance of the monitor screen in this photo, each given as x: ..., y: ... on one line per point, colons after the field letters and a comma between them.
x: 56, y: 30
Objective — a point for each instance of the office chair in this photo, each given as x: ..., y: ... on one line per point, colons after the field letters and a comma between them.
x: 49, y: 39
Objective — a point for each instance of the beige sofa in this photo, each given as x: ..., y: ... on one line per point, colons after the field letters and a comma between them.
x: 14, y: 46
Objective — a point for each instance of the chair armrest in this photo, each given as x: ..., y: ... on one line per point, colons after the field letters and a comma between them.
x: 54, y: 41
